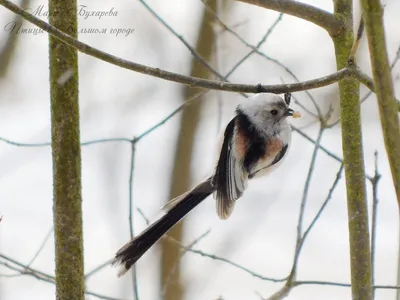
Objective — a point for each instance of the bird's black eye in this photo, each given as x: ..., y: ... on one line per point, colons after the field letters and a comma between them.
x: 274, y: 112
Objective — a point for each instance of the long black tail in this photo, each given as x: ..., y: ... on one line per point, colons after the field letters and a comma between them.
x: 133, y: 250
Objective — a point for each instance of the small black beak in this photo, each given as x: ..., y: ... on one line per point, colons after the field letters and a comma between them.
x: 289, y: 112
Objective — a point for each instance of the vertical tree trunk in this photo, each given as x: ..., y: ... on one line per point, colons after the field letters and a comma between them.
x: 181, y: 173
x: 360, y: 255
x: 66, y: 154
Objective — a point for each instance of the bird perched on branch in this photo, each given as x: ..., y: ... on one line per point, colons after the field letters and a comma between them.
x: 255, y: 141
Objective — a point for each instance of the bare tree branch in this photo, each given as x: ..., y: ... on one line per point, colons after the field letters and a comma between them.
x: 340, y: 284
x: 304, y: 11
x: 170, y: 76
x: 22, y: 269
x: 135, y: 285
x: 356, y: 42
x: 373, y: 18
x: 183, y: 252
x: 374, y: 182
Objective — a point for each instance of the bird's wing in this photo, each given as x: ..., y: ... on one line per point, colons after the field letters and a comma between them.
x: 270, y: 163
x: 230, y: 179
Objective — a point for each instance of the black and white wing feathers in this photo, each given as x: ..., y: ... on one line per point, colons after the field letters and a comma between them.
x: 230, y: 179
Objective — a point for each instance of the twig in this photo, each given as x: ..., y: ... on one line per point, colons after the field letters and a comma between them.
x: 48, y: 235
x: 25, y: 270
x: 183, y: 252
x: 374, y: 182
x: 212, y: 256
x: 305, y: 191
x: 356, y: 43
x: 97, y: 269
x: 170, y: 76
x: 18, y: 144
x: 340, y: 284
x: 47, y: 144
x: 229, y: 262
x: 364, y: 78
x: 282, y: 292
x: 131, y: 229
x: 285, y: 290
x: 323, y: 206
x: 308, y: 138
x: 169, y: 116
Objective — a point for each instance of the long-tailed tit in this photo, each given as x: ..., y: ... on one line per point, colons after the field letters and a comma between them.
x: 255, y: 141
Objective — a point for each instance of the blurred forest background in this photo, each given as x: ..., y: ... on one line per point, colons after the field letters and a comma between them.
x: 260, y: 236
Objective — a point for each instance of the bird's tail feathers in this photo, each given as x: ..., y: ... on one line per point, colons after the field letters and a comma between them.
x: 175, y: 211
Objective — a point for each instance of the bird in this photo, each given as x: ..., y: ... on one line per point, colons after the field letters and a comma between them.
x: 255, y: 141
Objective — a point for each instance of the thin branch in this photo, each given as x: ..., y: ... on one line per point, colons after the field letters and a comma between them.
x: 356, y: 43
x: 170, y: 76
x: 374, y: 183
x: 135, y: 285
x: 97, y: 269
x: 25, y: 270
x: 340, y: 284
x: 183, y: 252
x: 363, y: 78
x: 323, y: 206
x: 212, y: 256
x: 112, y: 140
x: 282, y: 292
x: 373, y: 17
x: 18, y: 144
x: 305, y: 195
x: 304, y: 11
x: 229, y: 262
x: 44, y: 242
x: 170, y: 115
x: 285, y: 290
x: 47, y: 144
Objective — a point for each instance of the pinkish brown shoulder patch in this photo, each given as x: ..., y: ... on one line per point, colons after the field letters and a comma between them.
x: 274, y: 146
